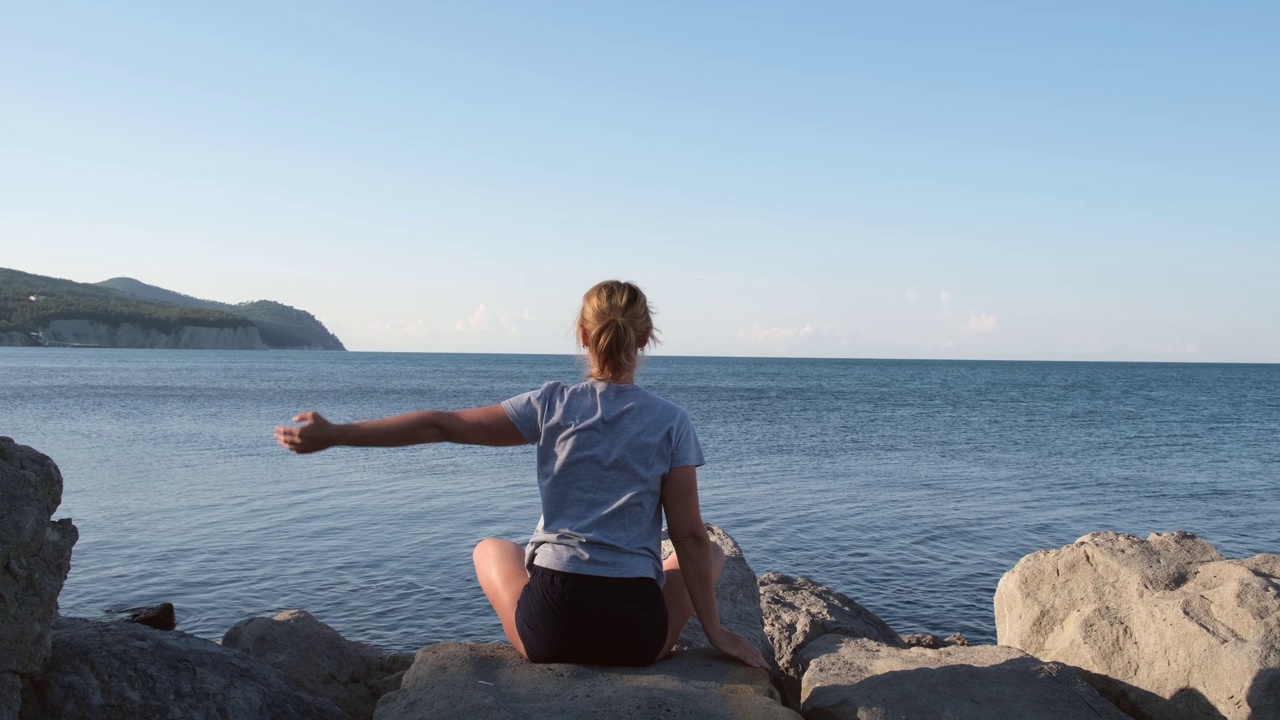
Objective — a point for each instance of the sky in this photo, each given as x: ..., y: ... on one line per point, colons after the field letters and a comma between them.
x: 995, y: 180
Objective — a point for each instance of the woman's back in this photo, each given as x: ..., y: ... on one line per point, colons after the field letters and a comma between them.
x: 602, y: 451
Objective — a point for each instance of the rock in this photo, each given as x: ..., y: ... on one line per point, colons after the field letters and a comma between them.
x: 160, y: 617
x: 10, y: 696
x: 798, y: 611
x: 317, y: 660
x: 35, y: 556
x: 1164, y: 627
x: 737, y: 597
x: 121, y: 671
x: 478, y: 681
x: 856, y: 678
x: 933, y: 642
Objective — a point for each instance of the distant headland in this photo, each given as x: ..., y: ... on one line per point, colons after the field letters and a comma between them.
x: 36, y: 310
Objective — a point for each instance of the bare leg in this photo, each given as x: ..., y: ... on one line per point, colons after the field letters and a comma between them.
x: 502, y: 575
x: 676, y: 595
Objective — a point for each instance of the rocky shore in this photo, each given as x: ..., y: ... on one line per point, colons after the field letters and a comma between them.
x: 1111, y: 626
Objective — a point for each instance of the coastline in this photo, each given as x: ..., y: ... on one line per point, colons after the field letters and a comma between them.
x: 832, y: 657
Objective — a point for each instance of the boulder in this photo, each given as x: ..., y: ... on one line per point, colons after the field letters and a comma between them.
x: 798, y: 611
x: 317, y: 660
x: 122, y: 671
x: 10, y: 696
x: 737, y: 597
x: 1164, y: 627
x: 35, y: 556
x: 855, y: 678
x: 481, y: 681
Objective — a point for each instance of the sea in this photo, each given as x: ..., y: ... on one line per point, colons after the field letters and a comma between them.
x: 910, y: 486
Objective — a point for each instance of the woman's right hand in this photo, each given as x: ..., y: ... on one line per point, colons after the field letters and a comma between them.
x: 313, y: 435
x: 734, y: 645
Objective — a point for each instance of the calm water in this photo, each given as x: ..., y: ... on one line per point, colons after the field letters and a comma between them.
x: 910, y: 486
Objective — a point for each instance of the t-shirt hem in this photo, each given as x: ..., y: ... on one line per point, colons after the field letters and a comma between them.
x: 593, y: 569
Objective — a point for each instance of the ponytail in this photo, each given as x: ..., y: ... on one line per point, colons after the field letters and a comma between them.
x: 618, y: 324
x: 612, y: 348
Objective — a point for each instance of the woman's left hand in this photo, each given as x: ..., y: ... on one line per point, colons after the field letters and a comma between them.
x: 734, y: 645
x: 313, y: 435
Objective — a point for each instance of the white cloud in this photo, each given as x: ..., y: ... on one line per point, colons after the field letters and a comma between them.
x: 759, y: 334
x: 793, y: 338
x: 486, y: 319
x: 479, y: 320
x: 399, y: 328
x: 944, y: 299
x: 982, y: 323
x: 912, y: 295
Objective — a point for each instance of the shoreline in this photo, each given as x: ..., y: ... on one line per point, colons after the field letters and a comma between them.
x: 831, y: 656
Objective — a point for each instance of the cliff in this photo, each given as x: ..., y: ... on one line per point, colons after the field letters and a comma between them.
x: 85, y: 333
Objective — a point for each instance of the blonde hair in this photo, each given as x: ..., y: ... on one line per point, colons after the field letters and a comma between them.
x: 619, y: 324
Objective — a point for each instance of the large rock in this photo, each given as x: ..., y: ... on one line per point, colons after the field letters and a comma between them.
x: 479, y: 682
x: 854, y: 678
x: 317, y: 660
x: 1164, y: 627
x: 35, y: 556
x: 798, y: 611
x: 737, y: 597
x: 121, y: 671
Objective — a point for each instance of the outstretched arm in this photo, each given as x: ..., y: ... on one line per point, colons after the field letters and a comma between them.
x: 478, y: 426
x: 693, y: 549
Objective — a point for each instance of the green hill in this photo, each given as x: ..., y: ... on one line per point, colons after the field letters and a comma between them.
x: 281, y: 326
x: 66, y: 300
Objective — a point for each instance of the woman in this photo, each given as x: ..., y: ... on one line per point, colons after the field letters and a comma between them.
x: 612, y: 457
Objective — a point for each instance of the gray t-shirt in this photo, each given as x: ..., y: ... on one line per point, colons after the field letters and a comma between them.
x: 603, y: 450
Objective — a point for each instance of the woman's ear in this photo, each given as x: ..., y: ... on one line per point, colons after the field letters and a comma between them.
x: 642, y: 342
x: 584, y: 337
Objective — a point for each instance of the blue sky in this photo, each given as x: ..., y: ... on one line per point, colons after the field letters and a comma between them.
x: 950, y: 180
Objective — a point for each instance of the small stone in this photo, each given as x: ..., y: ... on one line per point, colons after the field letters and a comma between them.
x: 924, y: 640
x: 160, y: 617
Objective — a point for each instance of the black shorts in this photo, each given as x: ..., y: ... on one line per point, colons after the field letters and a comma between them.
x: 572, y: 618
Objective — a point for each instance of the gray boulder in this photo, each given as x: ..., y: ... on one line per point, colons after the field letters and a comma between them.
x: 737, y: 597
x: 480, y: 682
x: 122, y: 671
x: 35, y: 556
x: 855, y: 678
x: 317, y: 660
x: 1164, y: 627
x: 10, y: 696
x: 798, y: 611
